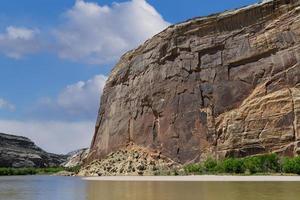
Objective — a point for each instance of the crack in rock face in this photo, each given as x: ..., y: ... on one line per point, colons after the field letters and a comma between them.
x: 218, y: 86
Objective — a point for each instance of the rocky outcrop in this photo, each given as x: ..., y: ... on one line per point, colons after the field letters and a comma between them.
x: 131, y: 160
x: 76, y: 158
x: 223, y: 85
x: 17, y: 152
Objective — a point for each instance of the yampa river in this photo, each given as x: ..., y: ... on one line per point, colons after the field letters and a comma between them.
x: 72, y: 188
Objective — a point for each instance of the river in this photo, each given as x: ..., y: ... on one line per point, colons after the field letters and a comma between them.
x: 73, y: 188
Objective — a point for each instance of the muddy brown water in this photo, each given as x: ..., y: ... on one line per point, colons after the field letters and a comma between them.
x: 72, y: 188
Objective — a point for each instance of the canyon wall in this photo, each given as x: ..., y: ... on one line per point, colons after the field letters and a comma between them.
x: 222, y: 85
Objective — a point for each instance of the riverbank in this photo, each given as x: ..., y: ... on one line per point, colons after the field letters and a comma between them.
x: 204, y: 178
x: 136, y: 161
x: 38, y: 171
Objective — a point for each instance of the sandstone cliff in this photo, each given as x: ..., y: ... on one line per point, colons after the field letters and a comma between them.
x: 17, y: 151
x: 223, y: 85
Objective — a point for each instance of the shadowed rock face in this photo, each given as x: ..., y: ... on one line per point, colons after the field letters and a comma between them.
x: 224, y: 85
x: 17, y: 151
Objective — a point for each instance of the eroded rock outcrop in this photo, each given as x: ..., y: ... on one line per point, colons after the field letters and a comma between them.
x: 223, y: 85
x: 131, y: 160
x: 76, y: 158
x: 17, y: 151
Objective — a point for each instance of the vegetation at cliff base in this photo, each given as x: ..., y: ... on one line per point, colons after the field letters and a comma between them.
x: 29, y: 171
x: 291, y: 165
x: 74, y: 169
x: 260, y: 164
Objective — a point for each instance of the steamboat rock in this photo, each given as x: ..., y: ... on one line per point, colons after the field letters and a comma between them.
x: 219, y: 86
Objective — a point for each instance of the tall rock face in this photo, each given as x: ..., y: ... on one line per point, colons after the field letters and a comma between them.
x: 17, y: 151
x: 223, y: 85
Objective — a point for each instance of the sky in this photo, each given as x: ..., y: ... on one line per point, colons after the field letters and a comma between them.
x: 55, y: 56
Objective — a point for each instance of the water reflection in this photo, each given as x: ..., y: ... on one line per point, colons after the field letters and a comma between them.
x: 42, y: 188
x: 68, y: 188
x: 193, y: 191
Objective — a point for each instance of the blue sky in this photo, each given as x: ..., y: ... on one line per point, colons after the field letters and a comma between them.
x: 56, y: 55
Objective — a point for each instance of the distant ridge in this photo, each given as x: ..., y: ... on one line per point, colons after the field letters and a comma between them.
x: 19, y: 151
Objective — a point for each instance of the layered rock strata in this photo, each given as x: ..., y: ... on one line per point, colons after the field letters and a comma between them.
x: 223, y: 85
x: 17, y: 152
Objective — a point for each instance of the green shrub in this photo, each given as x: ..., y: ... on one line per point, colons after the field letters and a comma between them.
x: 50, y: 170
x: 17, y: 172
x: 232, y: 165
x: 210, y: 166
x: 193, y: 168
x: 270, y: 163
x: 255, y: 164
x: 28, y: 171
x: 291, y: 165
x: 4, y: 172
x: 74, y: 169
x: 262, y: 164
x: 252, y: 164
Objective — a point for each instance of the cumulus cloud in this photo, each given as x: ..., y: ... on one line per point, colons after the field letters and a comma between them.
x: 16, y: 42
x: 100, y: 34
x: 53, y: 136
x: 62, y: 124
x: 88, y: 32
x: 6, y: 105
x: 77, y: 101
x: 82, y: 97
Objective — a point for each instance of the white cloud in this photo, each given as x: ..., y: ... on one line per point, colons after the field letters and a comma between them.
x: 88, y: 33
x: 82, y: 96
x: 16, y: 42
x: 53, y: 136
x: 76, y: 101
x: 6, y: 105
x: 100, y: 34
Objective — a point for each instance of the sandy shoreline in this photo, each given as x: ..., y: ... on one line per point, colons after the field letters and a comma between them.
x: 205, y: 178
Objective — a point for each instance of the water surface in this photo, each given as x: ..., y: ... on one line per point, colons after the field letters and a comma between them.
x: 72, y: 188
